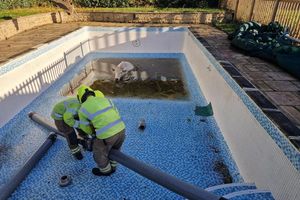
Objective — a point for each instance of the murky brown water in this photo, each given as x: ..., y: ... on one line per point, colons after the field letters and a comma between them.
x: 157, y: 78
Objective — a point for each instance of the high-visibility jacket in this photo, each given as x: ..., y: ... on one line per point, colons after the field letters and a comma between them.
x: 103, y: 117
x: 67, y: 111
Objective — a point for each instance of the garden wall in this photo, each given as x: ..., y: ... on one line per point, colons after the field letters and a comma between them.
x: 11, y: 27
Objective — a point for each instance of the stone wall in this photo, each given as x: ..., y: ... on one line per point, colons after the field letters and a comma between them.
x: 11, y: 27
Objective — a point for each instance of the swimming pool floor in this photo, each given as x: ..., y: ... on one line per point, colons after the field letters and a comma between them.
x: 175, y: 141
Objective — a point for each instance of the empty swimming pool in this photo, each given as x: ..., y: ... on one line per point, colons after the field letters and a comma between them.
x: 176, y: 140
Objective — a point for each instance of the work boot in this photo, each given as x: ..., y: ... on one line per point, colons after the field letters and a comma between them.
x: 76, y: 152
x: 113, y: 169
x: 78, y: 155
x: 96, y: 171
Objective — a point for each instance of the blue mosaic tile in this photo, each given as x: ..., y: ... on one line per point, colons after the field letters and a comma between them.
x: 230, y: 188
x: 172, y: 143
x: 250, y: 195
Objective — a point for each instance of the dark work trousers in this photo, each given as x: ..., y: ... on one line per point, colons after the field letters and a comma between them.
x: 69, y: 133
x: 101, y: 149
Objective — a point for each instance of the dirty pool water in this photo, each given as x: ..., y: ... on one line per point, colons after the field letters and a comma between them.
x: 157, y: 78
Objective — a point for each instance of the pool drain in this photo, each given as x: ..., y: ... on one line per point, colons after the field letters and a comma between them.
x: 64, y: 181
x: 142, y: 124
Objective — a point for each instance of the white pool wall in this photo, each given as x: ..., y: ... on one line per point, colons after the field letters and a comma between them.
x: 135, y: 40
x: 258, y: 157
x: 31, y: 74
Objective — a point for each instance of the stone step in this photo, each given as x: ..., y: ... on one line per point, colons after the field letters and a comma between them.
x: 250, y: 195
x: 230, y: 188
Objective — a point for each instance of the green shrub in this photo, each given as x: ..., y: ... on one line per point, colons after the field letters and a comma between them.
x: 186, y: 3
x: 102, y: 3
x: 157, y: 3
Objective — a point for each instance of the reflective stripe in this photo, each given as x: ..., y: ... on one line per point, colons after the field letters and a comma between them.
x: 105, y: 128
x: 84, y: 122
x: 72, y: 110
x: 106, y: 169
x: 85, y: 112
x: 66, y: 103
x: 91, y: 116
x: 99, y: 112
x: 77, y: 149
x: 57, y: 115
x: 113, y: 163
x: 76, y: 124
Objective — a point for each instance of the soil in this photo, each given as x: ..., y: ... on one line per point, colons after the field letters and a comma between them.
x: 157, y: 89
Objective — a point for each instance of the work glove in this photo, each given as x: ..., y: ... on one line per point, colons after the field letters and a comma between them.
x: 78, y: 155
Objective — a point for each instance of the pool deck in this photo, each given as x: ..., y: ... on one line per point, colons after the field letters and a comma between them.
x: 281, y: 92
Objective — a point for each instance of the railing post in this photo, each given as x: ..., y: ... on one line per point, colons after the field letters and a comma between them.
x: 89, y: 45
x: 252, y: 9
x: 65, y: 58
x: 81, y: 49
x: 275, y: 10
x: 236, y: 9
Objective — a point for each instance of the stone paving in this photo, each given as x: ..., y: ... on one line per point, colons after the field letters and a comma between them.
x: 282, y: 89
x: 279, y: 87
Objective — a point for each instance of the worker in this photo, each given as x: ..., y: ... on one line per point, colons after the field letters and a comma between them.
x: 106, y: 126
x: 66, y: 120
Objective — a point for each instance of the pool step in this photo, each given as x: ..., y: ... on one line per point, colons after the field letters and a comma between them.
x: 240, y: 191
x: 250, y: 195
x: 230, y: 188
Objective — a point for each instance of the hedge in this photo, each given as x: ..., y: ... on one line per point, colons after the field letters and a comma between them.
x: 9, y: 4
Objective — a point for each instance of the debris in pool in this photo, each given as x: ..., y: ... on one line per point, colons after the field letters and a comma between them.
x: 223, y: 170
x: 64, y: 181
x: 142, y: 124
x: 125, y: 72
x: 204, y: 111
x: 143, y: 89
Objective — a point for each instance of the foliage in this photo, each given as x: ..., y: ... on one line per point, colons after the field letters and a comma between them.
x: 12, y: 4
x: 156, y: 3
x: 102, y: 3
x: 186, y: 3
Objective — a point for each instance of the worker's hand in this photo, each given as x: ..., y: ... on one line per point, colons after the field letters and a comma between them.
x: 78, y: 155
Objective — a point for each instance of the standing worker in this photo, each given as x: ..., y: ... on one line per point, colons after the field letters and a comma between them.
x: 106, y: 126
x: 66, y: 120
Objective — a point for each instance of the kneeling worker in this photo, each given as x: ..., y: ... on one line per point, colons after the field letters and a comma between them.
x: 64, y: 114
x: 106, y: 126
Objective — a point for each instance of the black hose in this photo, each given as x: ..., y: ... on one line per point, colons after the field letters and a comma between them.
x: 12, y: 184
x: 172, y: 183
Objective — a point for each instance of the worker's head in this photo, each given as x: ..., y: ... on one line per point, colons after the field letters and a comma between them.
x: 98, y: 93
x: 84, y: 92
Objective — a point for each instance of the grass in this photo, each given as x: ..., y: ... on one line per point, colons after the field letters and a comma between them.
x: 226, y: 27
x: 14, y: 13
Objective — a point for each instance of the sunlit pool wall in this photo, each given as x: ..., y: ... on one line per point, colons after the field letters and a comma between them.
x: 136, y: 40
x: 26, y: 77
x: 245, y: 128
